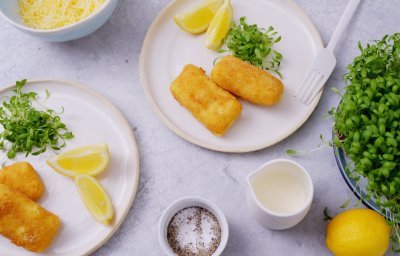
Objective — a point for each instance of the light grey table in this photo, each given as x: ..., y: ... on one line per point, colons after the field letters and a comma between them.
x: 171, y: 168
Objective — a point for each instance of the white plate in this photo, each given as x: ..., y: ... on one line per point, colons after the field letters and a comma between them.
x: 167, y: 49
x: 93, y: 120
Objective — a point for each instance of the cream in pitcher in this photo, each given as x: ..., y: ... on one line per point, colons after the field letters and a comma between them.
x: 279, y: 194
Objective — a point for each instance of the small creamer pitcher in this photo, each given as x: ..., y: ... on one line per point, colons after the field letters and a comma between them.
x: 279, y: 194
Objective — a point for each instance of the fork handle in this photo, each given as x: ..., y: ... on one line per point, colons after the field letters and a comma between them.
x: 343, y: 22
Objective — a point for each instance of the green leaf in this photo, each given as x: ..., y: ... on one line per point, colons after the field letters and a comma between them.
x: 370, y: 58
x: 47, y: 94
x: 291, y: 152
x: 358, y: 203
x: 329, y: 143
x: 254, y: 45
x: 343, y: 206
x: 28, y: 129
x: 326, y: 214
x: 336, y: 90
x: 367, y: 123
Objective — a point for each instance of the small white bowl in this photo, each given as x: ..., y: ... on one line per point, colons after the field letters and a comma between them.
x: 185, y: 202
x: 9, y: 11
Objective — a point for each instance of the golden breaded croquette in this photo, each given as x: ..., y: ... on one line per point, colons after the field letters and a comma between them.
x: 23, y: 178
x: 247, y: 81
x: 25, y: 222
x: 214, y: 107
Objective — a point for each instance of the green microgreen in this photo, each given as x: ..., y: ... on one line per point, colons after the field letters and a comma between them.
x: 324, y: 143
x: 346, y: 204
x: 293, y: 152
x: 367, y: 122
x: 326, y: 214
x: 27, y: 129
x: 47, y: 95
x: 336, y: 90
x: 254, y: 45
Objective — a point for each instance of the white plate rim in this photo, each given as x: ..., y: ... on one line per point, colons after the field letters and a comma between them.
x: 193, y: 140
x: 132, y: 138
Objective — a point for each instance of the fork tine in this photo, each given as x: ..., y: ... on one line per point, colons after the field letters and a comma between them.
x: 318, y: 90
x: 303, y: 83
x: 309, y: 87
x: 306, y: 81
x: 315, y: 88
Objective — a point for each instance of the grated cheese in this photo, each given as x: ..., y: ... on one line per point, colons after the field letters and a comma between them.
x: 51, y: 14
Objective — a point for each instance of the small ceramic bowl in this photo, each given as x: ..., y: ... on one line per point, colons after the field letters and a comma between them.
x: 185, y: 202
x: 9, y: 11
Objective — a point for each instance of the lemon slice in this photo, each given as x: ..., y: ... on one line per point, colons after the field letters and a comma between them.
x: 91, y: 160
x: 219, y: 26
x: 197, y: 19
x: 95, y: 198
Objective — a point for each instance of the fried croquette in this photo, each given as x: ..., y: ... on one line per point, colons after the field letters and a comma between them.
x: 214, y: 107
x: 247, y: 81
x: 25, y: 222
x: 23, y: 178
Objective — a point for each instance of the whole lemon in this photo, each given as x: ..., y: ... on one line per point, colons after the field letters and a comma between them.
x: 358, y: 232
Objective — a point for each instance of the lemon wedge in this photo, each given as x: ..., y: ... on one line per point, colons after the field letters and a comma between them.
x: 91, y: 160
x: 95, y: 198
x: 197, y: 19
x: 219, y: 26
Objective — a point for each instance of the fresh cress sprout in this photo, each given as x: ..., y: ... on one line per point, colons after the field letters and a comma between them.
x: 254, y: 45
x: 27, y: 129
x: 294, y: 152
x: 327, y: 216
x: 367, y: 123
x: 345, y: 204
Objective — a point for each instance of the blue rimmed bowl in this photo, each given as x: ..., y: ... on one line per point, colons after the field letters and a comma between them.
x: 357, y: 186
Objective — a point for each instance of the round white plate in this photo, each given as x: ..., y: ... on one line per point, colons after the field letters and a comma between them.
x: 167, y: 49
x: 93, y: 120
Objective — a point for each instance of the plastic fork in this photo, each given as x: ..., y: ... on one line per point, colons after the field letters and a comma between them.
x: 325, y: 61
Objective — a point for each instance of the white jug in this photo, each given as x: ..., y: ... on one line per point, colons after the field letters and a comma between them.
x: 279, y: 194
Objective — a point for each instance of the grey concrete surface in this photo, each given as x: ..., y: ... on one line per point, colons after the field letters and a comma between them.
x: 107, y: 61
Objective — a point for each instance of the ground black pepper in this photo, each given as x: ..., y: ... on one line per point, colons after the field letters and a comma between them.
x: 194, y: 231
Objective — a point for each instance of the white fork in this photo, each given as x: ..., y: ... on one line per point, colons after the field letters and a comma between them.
x: 325, y: 61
